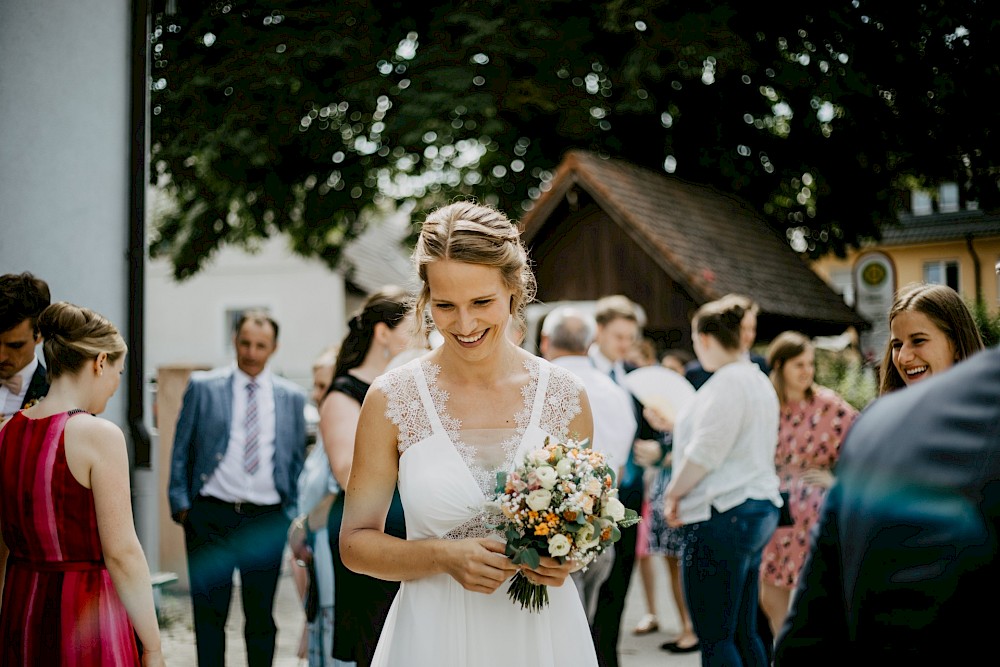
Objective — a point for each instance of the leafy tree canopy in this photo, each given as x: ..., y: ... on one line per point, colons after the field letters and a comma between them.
x: 298, y: 117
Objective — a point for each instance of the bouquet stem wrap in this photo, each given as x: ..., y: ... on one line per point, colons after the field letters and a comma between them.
x: 532, y: 597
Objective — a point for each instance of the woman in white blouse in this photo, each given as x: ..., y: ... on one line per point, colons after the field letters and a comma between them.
x: 724, y: 489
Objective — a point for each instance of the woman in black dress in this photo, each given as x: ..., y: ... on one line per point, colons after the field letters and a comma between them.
x: 377, y: 333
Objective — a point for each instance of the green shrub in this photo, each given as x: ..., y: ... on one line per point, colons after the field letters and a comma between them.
x: 845, y: 373
x: 988, y: 323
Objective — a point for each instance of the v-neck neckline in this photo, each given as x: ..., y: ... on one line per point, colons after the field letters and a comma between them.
x: 451, y: 427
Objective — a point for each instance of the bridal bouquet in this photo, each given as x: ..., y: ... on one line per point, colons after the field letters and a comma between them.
x: 562, y: 502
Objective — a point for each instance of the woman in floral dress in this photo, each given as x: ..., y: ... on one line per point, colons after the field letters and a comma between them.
x: 814, y: 421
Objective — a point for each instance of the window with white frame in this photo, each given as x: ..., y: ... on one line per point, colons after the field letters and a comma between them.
x: 948, y: 198
x: 942, y: 272
x: 920, y: 202
x: 997, y: 268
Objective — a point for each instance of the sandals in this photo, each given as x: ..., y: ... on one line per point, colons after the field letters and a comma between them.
x: 647, y: 625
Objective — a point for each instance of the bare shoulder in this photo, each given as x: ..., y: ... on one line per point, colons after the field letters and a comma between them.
x: 337, y: 403
x: 95, y: 432
x: 376, y: 400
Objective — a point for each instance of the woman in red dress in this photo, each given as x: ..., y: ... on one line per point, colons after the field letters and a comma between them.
x: 76, y: 586
x: 814, y: 421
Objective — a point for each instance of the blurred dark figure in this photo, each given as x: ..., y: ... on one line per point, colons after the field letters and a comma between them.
x: 905, y: 553
x: 618, y: 327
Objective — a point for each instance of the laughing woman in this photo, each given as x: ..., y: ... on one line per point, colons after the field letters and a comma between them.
x: 931, y: 330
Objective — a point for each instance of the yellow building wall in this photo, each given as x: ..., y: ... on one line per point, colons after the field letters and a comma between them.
x: 909, y: 264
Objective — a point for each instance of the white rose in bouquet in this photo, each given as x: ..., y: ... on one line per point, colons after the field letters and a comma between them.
x: 564, y: 467
x: 539, y: 499
x: 538, y: 457
x: 614, y: 509
x: 586, y: 537
x: 558, y: 545
x: 547, y: 476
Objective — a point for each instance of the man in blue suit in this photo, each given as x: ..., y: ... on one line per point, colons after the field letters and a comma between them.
x: 238, y: 451
x: 903, y: 565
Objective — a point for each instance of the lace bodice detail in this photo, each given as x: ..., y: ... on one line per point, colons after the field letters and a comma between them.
x: 562, y: 402
x: 483, y: 451
x: 403, y: 405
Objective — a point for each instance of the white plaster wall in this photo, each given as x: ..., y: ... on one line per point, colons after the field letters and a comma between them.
x: 186, y: 324
x: 64, y: 181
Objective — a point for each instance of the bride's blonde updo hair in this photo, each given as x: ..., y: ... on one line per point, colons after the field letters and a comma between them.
x: 475, y: 234
x: 75, y: 335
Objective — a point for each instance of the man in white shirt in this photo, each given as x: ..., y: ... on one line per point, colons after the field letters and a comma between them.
x: 238, y: 450
x: 618, y: 325
x: 23, y: 297
x: 566, y: 335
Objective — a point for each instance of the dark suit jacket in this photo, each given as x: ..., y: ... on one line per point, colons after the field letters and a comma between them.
x: 904, y: 556
x: 38, y: 387
x: 203, y: 434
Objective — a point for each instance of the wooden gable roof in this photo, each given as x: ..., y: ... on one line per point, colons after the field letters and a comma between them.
x: 708, y: 242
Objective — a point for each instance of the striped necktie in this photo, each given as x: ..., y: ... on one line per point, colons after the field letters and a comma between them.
x: 251, y: 454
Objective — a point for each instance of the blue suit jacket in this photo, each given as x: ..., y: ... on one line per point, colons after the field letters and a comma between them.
x: 905, y: 551
x: 202, y: 436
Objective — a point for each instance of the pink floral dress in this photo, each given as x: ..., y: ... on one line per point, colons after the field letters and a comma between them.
x: 809, y: 436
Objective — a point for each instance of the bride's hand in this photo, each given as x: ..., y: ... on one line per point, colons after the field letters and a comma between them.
x: 550, y: 572
x: 479, y: 565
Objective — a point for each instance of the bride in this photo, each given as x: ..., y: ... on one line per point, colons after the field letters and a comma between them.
x: 442, y: 426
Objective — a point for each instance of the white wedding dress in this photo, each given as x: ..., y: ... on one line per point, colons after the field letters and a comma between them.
x: 446, y: 475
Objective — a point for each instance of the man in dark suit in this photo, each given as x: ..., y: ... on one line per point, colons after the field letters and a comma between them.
x: 23, y: 297
x: 619, y: 321
x: 238, y: 451
x: 905, y: 553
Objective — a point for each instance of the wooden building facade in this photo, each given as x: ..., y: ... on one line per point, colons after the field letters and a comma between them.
x: 608, y: 227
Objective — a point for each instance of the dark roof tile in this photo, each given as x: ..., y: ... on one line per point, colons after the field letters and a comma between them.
x: 711, y: 242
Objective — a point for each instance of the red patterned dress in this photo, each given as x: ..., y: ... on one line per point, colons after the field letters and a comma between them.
x: 59, y: 605
x: 809, y: 436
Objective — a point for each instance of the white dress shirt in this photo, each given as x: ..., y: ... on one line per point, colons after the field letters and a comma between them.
x: 730, y: 427
x: 613, y: 369
x: 11, y: 402
x: 611, y: 405
x: 230, y: 482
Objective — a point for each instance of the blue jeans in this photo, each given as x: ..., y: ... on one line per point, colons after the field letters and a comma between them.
x: 720, y: 565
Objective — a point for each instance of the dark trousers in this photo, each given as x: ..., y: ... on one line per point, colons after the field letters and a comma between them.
x: 607, y: 624
x: 220, y: 538
x: 720, y: 567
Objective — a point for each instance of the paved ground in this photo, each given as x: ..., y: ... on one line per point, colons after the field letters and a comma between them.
x: 179, y: 648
